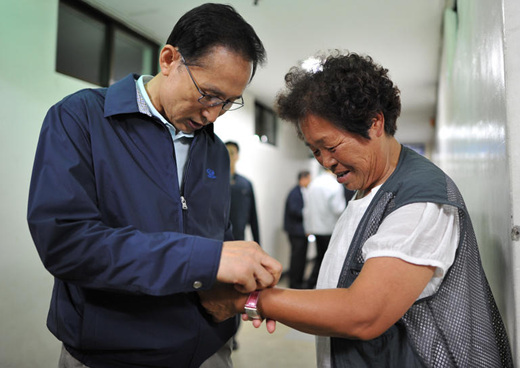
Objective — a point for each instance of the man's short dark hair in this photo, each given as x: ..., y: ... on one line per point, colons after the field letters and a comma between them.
x: 347, y: 90
x: 233, y: 143
x: 303, y: 174
x: 211, y: 25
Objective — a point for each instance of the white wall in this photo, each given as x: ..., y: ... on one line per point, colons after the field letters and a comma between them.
x: 28, y: 87
x: 472, y: 136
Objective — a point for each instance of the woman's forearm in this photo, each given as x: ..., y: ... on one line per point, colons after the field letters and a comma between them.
x: 318, y: 312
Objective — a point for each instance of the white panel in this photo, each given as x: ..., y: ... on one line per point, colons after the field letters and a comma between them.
x: 512, y: 68
x: 471, y: 136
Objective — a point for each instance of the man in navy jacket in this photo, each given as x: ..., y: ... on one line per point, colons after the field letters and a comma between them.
x: 243, y: 204
x: 129, y: 204
x: 293, y: 225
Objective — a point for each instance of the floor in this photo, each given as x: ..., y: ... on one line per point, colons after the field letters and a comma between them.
x: 285, y: 348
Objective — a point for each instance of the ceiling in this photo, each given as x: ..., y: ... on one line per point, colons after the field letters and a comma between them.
x: 402, y: 35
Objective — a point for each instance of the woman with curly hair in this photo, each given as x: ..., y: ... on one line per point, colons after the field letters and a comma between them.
x: 401, y: 284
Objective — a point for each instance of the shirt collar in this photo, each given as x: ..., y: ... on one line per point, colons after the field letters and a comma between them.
x: 146, y: 106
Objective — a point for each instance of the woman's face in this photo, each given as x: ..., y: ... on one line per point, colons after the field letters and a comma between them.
x: 357, y: 162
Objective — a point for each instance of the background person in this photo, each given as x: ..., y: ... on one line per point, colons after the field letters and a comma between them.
x: 293, y: 225
x: 129, y: 199
x: 325, y: 203
x: 401, y: 284
x: 243, y: 205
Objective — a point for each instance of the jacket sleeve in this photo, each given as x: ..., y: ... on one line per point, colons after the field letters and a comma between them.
x: 76, y: 246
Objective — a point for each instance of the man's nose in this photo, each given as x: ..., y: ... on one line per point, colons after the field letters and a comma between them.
x: 212, y: 113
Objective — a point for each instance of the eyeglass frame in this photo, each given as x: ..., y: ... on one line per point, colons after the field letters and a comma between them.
x: 203, y: 95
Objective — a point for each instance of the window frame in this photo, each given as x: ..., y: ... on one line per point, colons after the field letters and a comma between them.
x: 266, y: 121
x: 107, y: 61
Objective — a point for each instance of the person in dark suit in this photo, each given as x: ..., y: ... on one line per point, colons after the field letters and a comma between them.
x: 243, y: 206
x: 293, y: 225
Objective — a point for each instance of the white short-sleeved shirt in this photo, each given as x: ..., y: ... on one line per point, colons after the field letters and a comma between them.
x: 419, y: 233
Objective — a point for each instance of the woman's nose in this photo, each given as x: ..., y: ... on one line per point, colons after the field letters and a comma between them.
x: 328, y: 159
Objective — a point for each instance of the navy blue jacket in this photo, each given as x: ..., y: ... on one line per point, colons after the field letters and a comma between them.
x: 293, y: 215
x: 106, y: 215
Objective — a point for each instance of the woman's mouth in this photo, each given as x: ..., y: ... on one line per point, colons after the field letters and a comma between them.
x: 342, y: 176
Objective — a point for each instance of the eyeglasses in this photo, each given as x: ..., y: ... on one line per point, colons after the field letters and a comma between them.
x: 212, y: 101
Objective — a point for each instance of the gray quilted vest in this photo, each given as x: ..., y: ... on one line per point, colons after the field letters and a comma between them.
x: 460, y: 325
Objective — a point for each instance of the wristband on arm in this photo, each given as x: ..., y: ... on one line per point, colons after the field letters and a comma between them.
x: 251, y: 304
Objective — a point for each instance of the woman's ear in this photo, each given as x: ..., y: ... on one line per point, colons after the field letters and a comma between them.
x: 378, y: 125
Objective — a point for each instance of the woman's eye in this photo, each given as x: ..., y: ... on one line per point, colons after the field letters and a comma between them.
x: 331, y: 149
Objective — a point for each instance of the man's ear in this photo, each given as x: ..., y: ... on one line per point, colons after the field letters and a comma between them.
x: 169, y: 58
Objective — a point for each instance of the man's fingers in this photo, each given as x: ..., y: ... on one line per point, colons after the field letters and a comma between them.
x: 247, y: 288
x: 270, y: 324
x: 274, y: 268
x: 248, y: 267
x: 269, y: 273
x: 264, y: 278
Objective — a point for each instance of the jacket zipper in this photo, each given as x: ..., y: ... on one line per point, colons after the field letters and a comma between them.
x: 185, y: 171
x: 184, y: 204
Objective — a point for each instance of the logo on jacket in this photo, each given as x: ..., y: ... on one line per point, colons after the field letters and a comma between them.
x: 211, y: 174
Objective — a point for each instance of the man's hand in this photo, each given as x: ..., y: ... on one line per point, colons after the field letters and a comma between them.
x: 247, y: 266
x: 223, y: 301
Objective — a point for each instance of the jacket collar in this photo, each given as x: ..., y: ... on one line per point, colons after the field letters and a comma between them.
x: 121, y: 98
